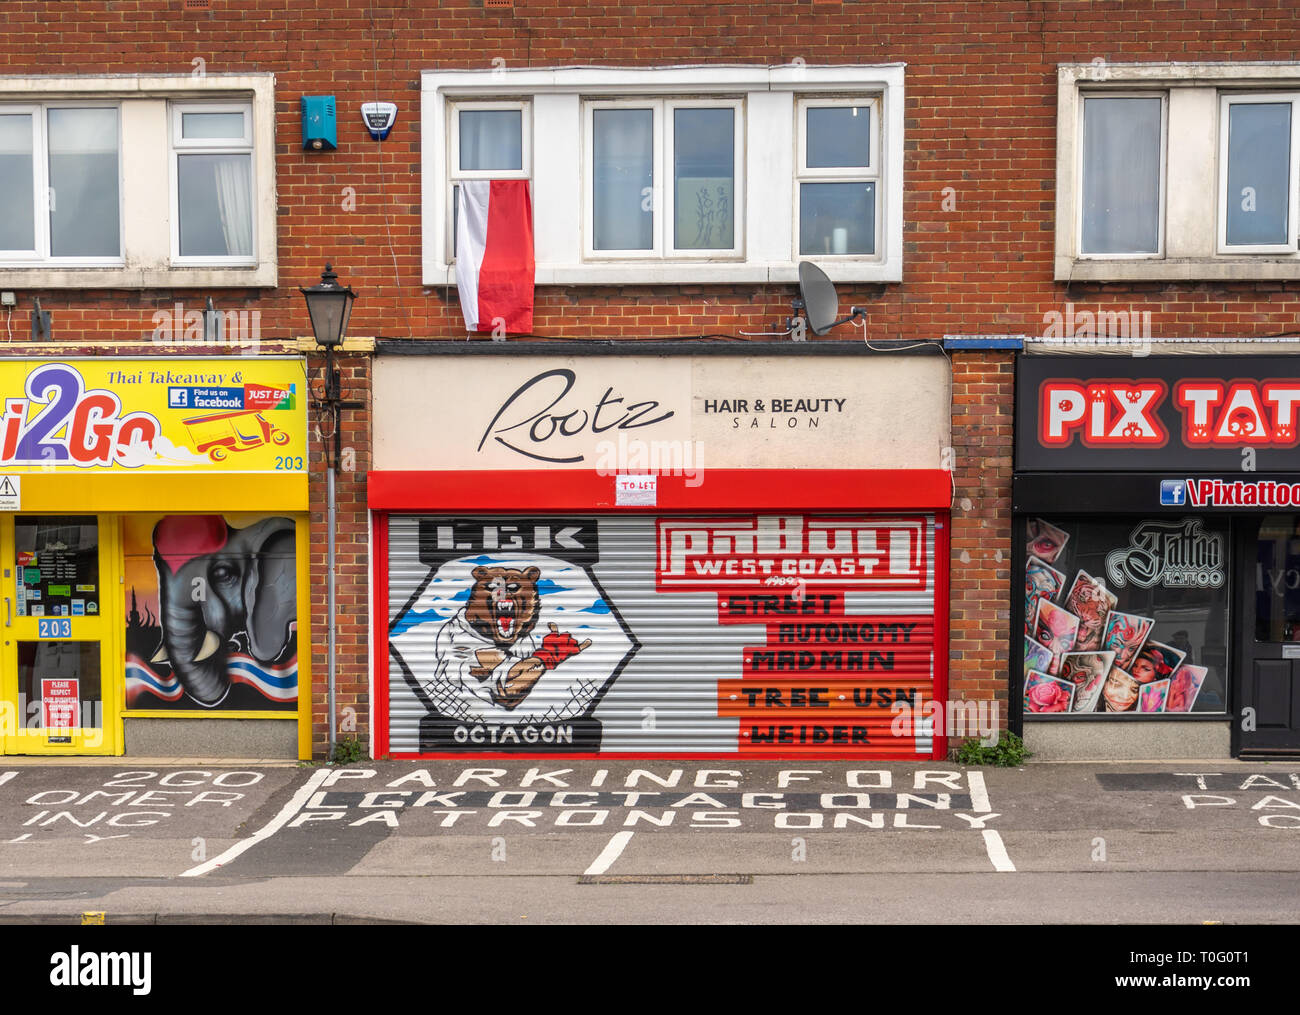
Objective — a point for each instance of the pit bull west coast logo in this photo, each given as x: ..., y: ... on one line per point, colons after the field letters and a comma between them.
x: 828, y: 663
x: 509, y: 642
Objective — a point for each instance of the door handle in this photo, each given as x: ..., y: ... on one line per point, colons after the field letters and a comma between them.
x: 8, y: 618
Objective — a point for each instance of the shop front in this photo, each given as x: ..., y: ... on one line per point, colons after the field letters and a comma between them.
x: 153, y: 542
x: 1157, y: 500
x: 659, y: 553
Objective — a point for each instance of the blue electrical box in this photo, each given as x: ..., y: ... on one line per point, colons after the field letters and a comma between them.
x: 319, y: 126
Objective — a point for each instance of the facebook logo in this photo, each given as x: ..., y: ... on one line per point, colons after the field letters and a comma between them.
x: 178, y: 398
x: 1173, y: 492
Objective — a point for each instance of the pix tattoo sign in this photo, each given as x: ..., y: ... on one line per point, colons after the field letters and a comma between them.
x: 1157, y: 414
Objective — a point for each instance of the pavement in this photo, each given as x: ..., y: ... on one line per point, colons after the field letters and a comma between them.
x: 236, y: 840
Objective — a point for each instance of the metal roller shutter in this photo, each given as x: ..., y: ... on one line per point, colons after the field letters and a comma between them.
x: 751, y: 635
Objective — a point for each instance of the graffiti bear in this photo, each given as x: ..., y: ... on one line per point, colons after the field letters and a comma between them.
x: 488, y: 647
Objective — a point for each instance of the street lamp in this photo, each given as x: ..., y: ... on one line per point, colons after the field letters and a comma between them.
x: 329, y: 305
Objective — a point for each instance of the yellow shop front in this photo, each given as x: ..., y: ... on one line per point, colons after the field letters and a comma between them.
x: 154, y: 557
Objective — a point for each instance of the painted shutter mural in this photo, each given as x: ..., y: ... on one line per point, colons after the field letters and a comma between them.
x: 752, y: 635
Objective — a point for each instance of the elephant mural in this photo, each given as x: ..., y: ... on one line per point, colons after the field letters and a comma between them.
x: 217, y: 584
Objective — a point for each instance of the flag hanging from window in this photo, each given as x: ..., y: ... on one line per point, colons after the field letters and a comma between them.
x: 494, y: 255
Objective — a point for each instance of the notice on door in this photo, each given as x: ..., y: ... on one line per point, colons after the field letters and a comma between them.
x: 59, y: 702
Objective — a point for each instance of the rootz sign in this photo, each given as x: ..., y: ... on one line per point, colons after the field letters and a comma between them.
x: 1094, y: 414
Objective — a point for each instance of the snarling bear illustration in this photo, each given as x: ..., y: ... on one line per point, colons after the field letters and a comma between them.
x: 488, y: 647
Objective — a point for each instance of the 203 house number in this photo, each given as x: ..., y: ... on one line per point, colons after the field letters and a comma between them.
x: 289, y: 463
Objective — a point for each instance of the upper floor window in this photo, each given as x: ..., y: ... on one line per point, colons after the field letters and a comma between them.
x: 59, y: 170
x: 212, y: 149
x: 138, y: 182
x: 676, y: 175
x: 1177, y: 171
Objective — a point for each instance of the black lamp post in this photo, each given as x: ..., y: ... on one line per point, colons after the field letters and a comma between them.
x: 330, y: 306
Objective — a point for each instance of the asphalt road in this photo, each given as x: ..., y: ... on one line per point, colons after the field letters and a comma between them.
x: 530, y: 842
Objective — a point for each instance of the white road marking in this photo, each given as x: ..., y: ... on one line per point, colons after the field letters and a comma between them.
x: 266, y: 831
x: 25, y: 835
x: 997, y: 851
x: 979, y: 793
x: 6, y: 776
x: 613, y: 849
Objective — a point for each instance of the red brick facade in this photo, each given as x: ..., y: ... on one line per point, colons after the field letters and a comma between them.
x: 979, y: 211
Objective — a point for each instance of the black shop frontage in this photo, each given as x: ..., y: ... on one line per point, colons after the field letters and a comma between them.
x: 1157, y: 529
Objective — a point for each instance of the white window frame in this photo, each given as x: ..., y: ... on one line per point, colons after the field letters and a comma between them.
x: 208, y: 146
x: 145, y: 167
x: 869, y: 173
x: 1194, y: 171
x: 1159, y: 252
x: 41, y: 256
x: 663, y: 199
x: 1226, y: 101
x: 764, y: 213
x: 455, y: 174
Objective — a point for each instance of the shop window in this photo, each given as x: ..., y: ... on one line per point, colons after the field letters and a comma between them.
x: 132, y: 182
x: 1177, y: 171
x: 1125, y: 616
x: 677, y: 175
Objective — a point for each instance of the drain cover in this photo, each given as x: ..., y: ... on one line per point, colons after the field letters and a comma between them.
x: 666, y: 879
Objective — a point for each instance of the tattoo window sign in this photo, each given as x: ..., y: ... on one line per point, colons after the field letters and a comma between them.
x: 1125, y: 617
x: 211, y: 612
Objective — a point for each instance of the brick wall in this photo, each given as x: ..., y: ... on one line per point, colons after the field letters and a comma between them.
x: 979, y: 614
x: 978, y: 210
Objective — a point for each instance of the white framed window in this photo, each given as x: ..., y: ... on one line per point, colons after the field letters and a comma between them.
x: 681, y: 175
x: 1122, y: 170
x: 837, y: 177
x: 212, y: 184
x: 60, y: 168
x: 663, y: 178
x: 486, y: 141
x: 138, y: 181
x: 1259, y: 166
x: 1177, y: 172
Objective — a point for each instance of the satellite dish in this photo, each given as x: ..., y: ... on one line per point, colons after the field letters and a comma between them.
x: 821, y: 304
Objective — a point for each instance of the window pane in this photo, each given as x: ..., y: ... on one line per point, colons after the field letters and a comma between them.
x: 704, y: 176
x: 838, y: 136
x: 623, y: 153
x: 83, y: 183
x: 219, y: 125
x: 1259, y: 170
x: 216, y: 205
x: 18, y: 223
x: 1277, y: 583
x: 837, y: 218
x: 1121, y: 176
x: 491, y: 139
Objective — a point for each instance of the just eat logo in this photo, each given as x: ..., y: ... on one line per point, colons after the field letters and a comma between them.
x: 1125, y: 413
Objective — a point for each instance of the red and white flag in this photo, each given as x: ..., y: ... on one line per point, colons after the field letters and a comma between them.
x: 494, y: 255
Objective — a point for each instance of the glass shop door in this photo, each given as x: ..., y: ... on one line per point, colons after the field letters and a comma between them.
x: 59, y: 690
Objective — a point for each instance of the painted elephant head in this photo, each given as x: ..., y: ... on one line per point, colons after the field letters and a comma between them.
x: 215, y: 581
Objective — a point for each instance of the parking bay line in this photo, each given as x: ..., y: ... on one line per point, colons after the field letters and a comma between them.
x: 294, y: 805
x: 6, y: 776
x: 613, y: 849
